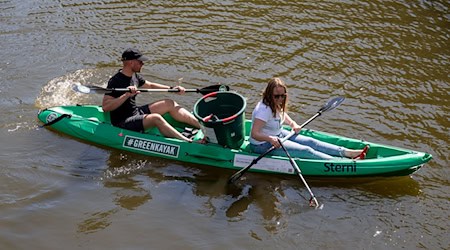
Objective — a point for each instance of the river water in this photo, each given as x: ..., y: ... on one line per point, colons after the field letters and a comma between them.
x: 390, y: 59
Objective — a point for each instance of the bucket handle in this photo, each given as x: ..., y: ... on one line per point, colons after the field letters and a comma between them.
x: 212, y: 94
x: 207, y: 118
x: 225, y: 120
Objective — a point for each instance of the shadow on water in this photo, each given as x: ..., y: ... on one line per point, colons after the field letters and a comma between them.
x: 128, y: 190
x: 387, y: 187
x: 273, y: 194
x: 133, y: 178
x: 130, y: 193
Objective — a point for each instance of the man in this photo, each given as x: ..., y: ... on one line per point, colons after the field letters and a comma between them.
x: 124, y: 111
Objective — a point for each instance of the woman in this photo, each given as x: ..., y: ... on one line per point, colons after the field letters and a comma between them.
x: 268, y: 117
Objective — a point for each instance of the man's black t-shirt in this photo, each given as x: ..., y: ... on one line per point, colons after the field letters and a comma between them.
x: 128, y: 108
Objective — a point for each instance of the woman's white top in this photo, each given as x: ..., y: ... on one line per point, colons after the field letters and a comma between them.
x: 273, y: 124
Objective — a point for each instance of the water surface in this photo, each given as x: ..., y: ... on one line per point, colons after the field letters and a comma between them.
x: 390, y: 60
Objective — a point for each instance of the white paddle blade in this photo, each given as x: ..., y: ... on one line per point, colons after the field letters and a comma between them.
x: 80, y: 88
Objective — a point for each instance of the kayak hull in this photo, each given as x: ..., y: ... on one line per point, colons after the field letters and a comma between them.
x: 89, y: 123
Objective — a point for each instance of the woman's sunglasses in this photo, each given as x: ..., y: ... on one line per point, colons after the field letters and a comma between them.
x: 280, y: 96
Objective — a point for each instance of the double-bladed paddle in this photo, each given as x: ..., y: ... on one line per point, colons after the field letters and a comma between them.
x: 331, y: 104
x: 90, y: 89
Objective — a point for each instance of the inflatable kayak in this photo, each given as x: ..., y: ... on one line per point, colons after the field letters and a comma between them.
x: 91, y: 124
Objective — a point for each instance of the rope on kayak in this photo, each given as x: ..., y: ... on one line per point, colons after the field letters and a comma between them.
x: 56, y: 120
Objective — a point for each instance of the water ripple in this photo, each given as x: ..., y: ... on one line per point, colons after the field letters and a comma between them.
x: 388, y: 58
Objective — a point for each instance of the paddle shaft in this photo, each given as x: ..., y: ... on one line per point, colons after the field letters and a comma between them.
x: 145, y: 90
x: 238, y: 174
x: 299, y: 173
x: 100, y: 90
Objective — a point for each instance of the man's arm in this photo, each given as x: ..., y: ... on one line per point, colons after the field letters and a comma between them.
x: 154, y: 85
x: 110, y: 103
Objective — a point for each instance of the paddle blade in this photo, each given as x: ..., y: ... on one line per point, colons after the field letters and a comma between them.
x: 213, y: 88
x: 80, y: 88
x: 89, y: 89
x: 332, y: 104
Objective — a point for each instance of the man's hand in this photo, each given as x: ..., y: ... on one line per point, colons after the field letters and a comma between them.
x: 133, y: 91
x: 182, y: 89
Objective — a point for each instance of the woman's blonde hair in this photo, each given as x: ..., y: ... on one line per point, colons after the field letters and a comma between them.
x: 268, y: 95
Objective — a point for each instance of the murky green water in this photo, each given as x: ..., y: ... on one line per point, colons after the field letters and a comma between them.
x: 390, y: 60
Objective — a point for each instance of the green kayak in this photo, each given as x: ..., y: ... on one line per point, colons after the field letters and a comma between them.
x: 91, y: 124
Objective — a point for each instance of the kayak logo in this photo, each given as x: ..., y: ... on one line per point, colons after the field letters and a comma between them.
x: 51, y: 117
x: 331, y: 167
x: 151, y: 146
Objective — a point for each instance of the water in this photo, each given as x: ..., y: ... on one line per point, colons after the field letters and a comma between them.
x: 388, y: 58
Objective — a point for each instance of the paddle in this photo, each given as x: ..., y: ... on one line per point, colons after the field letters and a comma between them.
x: 331, y: 104
x: 90, y: 89
x: 299, y: 173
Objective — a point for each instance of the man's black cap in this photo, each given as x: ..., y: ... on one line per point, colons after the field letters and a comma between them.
x: 132, y: 54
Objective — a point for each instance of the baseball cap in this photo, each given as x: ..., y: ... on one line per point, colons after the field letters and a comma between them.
x: 131, y: 54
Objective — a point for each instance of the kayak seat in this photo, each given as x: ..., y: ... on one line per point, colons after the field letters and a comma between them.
x: 245, y: 146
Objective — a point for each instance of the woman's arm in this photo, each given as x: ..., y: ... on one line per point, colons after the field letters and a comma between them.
x: 257, y: 134
x: 289, y: 121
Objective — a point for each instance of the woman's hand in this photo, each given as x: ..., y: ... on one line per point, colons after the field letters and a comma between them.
x: 296, y: 128
x: 274, y: 141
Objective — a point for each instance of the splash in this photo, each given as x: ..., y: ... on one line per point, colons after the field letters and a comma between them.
x: 124, y: 170
x: 59, y: 91
x: 18, y: 126
x: 376, y: 233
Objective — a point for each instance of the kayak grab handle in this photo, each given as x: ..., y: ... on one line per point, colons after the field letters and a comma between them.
x: 427, y: 157
x: 52, y: 119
